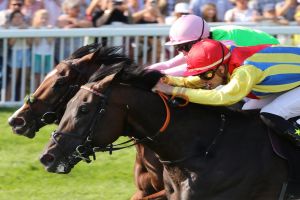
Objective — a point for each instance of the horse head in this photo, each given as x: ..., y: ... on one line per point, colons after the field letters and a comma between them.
x: 47, y: 104
x: 69, y: 143
x: 74, y: 139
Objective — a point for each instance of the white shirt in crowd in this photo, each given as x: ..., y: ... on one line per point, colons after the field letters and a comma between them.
x: 236, y: 15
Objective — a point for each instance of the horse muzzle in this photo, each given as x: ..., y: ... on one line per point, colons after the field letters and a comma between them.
x: 20, y: 127
x: 54, y: 165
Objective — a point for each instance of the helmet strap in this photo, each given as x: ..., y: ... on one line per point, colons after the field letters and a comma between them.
x: 225, y: 74
x: 202, y: 29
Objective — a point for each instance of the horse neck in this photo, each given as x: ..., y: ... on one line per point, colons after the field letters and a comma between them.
x: 147, y: 114
x: 192, y: 130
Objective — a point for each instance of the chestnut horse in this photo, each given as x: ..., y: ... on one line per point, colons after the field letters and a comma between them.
x: 47, y: 105
x: 207, y: 152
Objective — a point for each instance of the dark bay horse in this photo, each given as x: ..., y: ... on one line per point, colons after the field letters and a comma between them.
x: 48, y: 102
x: 207, y: 152
x: 47, y: 105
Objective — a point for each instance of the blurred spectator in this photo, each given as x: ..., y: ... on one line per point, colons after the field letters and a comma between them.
x: 54, y: 9
x: 96, y: 5
x: 134, y: 6
x: 209, y: 12
x: 42, y: 47
x: 95, y: 9
x: 169, y: 6
x: 269, y: 16
x: 19, y: 53
x: 296, y: 37
x: 30, y: 7
x: 180, y: 9
x: 286, y: 9
x: 259, y: 5
x: 4, y: 4
x: 71, y: 17
x: 115, y: 12
x: 240, y: 13
x: 164, y: 6
x: 83, y: 6
x: 222, y: 7
x: 14, y: 5
x: 297, y: 15
x: 150, y: 14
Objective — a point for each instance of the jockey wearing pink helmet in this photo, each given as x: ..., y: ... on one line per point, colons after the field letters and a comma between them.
x: 189, y: 29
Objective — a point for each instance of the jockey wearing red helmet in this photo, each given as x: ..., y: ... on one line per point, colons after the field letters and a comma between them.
x: 270, y: 73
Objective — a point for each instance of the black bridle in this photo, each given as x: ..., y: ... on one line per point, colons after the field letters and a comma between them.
x: 87, y: 149
x: 55, y: 110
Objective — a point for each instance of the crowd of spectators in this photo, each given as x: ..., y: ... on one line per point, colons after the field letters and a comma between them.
x: 89, y: 13
x: 65, y: 14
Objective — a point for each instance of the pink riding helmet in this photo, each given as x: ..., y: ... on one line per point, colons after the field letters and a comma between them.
x: 188, y: 28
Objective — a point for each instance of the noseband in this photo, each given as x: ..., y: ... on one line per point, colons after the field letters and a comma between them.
x: 86, y: 149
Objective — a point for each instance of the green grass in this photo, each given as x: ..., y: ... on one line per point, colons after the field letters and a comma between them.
x: 22, y: 177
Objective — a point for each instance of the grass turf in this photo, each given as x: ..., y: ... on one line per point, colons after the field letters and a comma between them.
x: 22, y: 177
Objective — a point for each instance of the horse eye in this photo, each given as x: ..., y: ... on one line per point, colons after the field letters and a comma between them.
x: 84, y: 109
x: 59, y: 82
x: 62, y: 73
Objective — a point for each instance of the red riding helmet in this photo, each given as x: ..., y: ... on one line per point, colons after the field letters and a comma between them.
x: 205, y: 55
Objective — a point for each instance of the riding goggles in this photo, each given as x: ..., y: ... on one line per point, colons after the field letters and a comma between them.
x: 208, y: 75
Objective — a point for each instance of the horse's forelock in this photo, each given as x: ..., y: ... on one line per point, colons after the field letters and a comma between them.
x: 87, y: 49
x: 110, y: 55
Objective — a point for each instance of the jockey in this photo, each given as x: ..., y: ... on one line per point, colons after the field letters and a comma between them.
x: 270, y: 75
x: 189, y: 29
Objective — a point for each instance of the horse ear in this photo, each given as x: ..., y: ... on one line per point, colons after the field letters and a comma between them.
x: 104, y: 83
x: 81, y: 63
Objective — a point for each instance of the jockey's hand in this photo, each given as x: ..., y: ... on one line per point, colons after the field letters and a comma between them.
x: 162, y: 87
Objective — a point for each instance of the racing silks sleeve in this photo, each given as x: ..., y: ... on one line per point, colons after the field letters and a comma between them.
x: 240, y: 84
x: 189, y: 82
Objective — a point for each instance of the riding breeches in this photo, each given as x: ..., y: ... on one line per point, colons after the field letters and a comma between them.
x: 286, y: 105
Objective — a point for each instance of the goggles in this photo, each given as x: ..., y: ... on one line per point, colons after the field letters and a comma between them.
x: 185, y: 46
x: 208, y: 75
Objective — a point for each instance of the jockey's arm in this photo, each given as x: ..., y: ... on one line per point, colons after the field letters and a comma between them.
x: 173, y: 62
x: 241, y: 83
x: 188, y: 82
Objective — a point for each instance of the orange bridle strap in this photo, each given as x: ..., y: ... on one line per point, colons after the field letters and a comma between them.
x: 167, y: 120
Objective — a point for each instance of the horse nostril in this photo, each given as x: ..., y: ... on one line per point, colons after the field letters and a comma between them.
x: 16, y: 121
x: 47, y: 159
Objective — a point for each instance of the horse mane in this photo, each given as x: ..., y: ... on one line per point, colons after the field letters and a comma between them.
x: 84, y: 50
x: 129, y: 73
x: 115, y: 62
